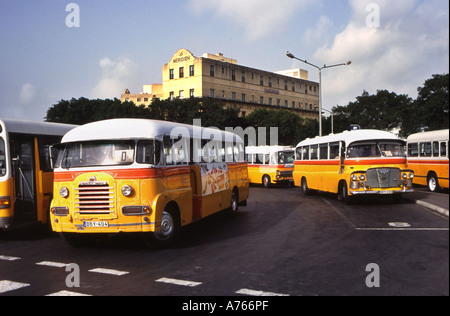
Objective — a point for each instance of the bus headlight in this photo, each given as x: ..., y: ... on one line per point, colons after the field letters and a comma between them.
x: 64, y: 192
x: 411, y: 175
x: 127, y: 190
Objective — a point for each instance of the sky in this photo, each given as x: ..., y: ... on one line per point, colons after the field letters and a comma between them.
x: 54, y: 50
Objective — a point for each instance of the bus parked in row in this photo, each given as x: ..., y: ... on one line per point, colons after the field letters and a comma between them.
x: 428, y: 157
x: 144, y: 176
x: 26, y: 178
x: 357, y: 162
x: 270, y: 164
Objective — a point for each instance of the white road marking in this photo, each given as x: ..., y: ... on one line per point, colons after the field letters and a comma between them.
x: 258, y: 293
x: 7, y: 286
x: 67, y: 293
x: 52, y: 264
x: 178, y: 282
x: 109, y: 271
x: 8, y: 258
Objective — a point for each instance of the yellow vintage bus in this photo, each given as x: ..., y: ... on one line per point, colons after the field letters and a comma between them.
x: 357, y: 162
x: 270, y: 164
x: 26, y: 179
x: 428, y: 157
x: 144, y: 176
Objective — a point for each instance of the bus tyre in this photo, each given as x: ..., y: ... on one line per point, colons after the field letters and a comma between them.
x: 343, y: 192
x: 266, y: 181
x: 306, y: 190
x: 234, y: 208
x: 168, y: 233
x: 433, y: 183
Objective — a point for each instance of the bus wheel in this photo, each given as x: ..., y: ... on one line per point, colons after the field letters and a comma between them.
x: 433, y: 183
x: 306, y: 190
x: 266, y: 181
x: 234, y: 202
x: 343, y: 191
x: 167, y: 235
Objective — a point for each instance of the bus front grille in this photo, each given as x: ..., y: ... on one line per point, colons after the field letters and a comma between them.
x: 383, y: 178
x: 94, y: 199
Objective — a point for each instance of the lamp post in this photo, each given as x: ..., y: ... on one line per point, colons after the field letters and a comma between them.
x: 290, y: 55
x: 332, y: 118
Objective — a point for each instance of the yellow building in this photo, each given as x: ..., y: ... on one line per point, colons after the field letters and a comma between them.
x: 239, y: 86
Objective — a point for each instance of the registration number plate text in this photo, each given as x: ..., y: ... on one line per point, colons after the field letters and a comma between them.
x: 96, y: 224
x: 386, y: 192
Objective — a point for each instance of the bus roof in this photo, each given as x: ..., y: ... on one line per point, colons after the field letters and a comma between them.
x: 34, y: 128
x: 441, y: 135
x: 350, y: 136
x: 266, y: 149
x: 123, y: 129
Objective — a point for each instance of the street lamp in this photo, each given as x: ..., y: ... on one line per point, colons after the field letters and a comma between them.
x: 290, y: 55
x: 332, y: 118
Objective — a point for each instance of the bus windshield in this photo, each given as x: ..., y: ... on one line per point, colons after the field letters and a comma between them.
x: 376, y: 149
x: 285, y: 157
x: 2, y: 158
x: 96, y: 153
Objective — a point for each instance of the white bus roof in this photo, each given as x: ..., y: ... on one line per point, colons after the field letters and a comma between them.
x: 266, y: 149
x: 34, y: 128
x: 124, y: 129
x: 441, y: 135
x: 350, y: 136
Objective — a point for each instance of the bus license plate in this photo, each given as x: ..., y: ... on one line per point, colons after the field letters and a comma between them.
x: 96, y: 224
x: 387, y: 192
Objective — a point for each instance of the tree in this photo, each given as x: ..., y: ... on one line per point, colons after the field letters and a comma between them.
x: 432, y: 104
x: 384, y: 111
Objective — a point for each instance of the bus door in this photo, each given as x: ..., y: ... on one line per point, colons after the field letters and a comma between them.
x: 22, y: 153
x: 342, y: 158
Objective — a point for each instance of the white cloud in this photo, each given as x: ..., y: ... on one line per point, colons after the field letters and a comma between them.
x: 259, y: 18
x: 115, y: 77
x: 410, y: 45
x: 27, y: 93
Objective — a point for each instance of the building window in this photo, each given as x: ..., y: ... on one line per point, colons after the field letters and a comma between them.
x: 243, y: 76
x: 285, y: 85
x: 171, y: 74
x: 278, y: 102
x: 191, y: 70
x: 243, y: 97
x: 181, y: 93
x: 233, y: 96
x: 181, y: 72
x: 191, y: 93
x: 270, y: 82
x: 293, y: 86
x: 233, y: 75
x: 211, y: 92
x: 211, y: 70
x: 261, y: 100
x: 293, y: 104
x: 261, y: 80
x: 270, y: 101
x: 172, y: 95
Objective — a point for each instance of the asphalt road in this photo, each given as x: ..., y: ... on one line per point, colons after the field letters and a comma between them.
x: 282, y: 243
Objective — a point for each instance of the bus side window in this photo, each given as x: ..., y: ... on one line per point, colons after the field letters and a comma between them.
x: 334, y: 151
x: 435, y: 149
x: 413, y: 150
x: 168, y: 152
x: 425, y: 149
x: 443, y: 149
x: 314, y: 152
x: 323, y: 153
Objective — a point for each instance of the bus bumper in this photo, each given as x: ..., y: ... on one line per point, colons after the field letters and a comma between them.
x: 382, y: 192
